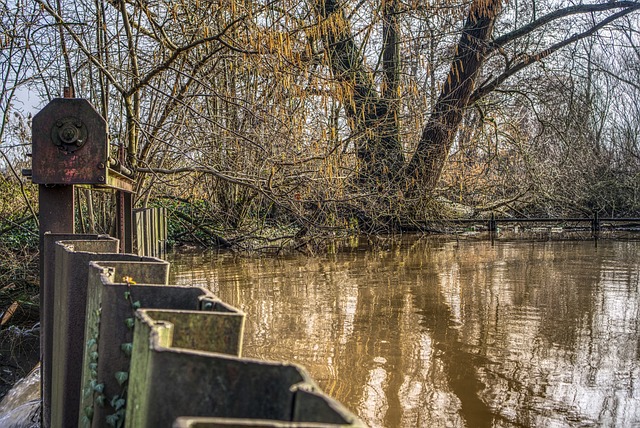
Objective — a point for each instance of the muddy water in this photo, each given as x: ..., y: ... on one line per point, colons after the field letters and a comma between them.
x: 432, y: 333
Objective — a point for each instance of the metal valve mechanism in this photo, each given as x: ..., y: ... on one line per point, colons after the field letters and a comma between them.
x: 69, y: 134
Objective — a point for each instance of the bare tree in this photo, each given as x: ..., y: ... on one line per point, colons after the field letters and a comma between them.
x: 318, y: 112
x: 463, y: 85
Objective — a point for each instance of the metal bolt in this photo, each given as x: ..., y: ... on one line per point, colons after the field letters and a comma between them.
x: 101, y: 179
x: 59, y: 124
x: 207, y: 306
x: 68, y: 135
x: 100, y: 165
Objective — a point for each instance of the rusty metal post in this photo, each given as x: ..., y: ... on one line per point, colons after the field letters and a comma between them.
x: 124, y: 208
x: 595, y: 224
x: 56, y: 209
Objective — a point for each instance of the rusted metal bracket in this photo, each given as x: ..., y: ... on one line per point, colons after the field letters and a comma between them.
x: 70, y: 147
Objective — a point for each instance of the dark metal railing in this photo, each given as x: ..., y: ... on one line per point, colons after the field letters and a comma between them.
x: 596, y: 223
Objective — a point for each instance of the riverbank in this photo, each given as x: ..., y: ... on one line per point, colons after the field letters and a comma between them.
x: 19, y: 314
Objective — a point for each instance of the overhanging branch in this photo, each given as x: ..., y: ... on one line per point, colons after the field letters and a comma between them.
x: 532, y: 59
x: 559, y: 14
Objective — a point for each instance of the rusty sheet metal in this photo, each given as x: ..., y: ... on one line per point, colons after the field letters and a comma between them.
x: 115, y: 180
x: 124, y: 220
x: 69, y: 144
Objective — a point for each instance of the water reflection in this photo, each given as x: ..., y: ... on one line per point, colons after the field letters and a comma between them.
x: 425, y: 332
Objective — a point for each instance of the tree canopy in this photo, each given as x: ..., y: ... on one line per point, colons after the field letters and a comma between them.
x: 326, y: 112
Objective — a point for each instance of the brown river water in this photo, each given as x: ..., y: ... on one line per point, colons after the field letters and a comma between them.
x: 424, y: 332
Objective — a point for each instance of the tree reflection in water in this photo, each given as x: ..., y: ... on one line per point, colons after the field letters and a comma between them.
x: 426, y: 332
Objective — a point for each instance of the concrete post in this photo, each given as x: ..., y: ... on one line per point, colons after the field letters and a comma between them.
x: 72, y: 264
x: 111, y: 305
x: 47, y: 297
x: 181, y: 365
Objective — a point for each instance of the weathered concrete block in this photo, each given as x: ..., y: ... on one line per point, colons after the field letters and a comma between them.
x: 69, y: 305
x: 311, y: 409
x: 176, y: 372
x: 115, y: 291
x: 189, y: 422
x: 47, y: 295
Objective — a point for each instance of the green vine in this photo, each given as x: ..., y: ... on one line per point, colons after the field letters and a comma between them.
x: 119, y: 401
x: 93, y: 386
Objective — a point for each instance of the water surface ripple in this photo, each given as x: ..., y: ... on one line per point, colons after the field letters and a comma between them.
x: 421, y: 332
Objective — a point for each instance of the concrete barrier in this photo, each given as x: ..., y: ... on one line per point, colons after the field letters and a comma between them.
x: 72, y: 260
x: 127, y: 349
x: 176, y: 371
x: 115, y: 291
x: 47, y: 299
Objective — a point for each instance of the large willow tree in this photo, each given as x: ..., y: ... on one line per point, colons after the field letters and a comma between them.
x: 372, y: 108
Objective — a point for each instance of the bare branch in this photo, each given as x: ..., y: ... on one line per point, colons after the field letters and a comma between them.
x: 532, y: 59
x: 559, y: 14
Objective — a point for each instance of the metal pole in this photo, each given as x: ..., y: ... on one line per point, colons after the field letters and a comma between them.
x: 595, y: 225
x: 56, y: 215
x: 492, y: 223
x: 124, y: 202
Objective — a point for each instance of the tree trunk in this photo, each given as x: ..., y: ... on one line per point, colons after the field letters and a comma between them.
x: 374, y: 117
x: 370, y: 117
x: 438, y: 135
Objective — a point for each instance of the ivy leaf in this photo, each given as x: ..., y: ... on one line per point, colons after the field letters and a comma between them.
x: 113, y: 400
x: 88, y: 411
x: 100, y: 400
x: 121, y: 377
x: 112, y: 420
x: 126, y: 348
x: 99, y: 388
x: 136, y: 304
x: 119, y: 404
x: 129, y: 322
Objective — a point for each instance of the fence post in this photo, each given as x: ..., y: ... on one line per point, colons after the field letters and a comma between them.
x: 595, y: 223
x: 493, y: 223
x: 70, y: 300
